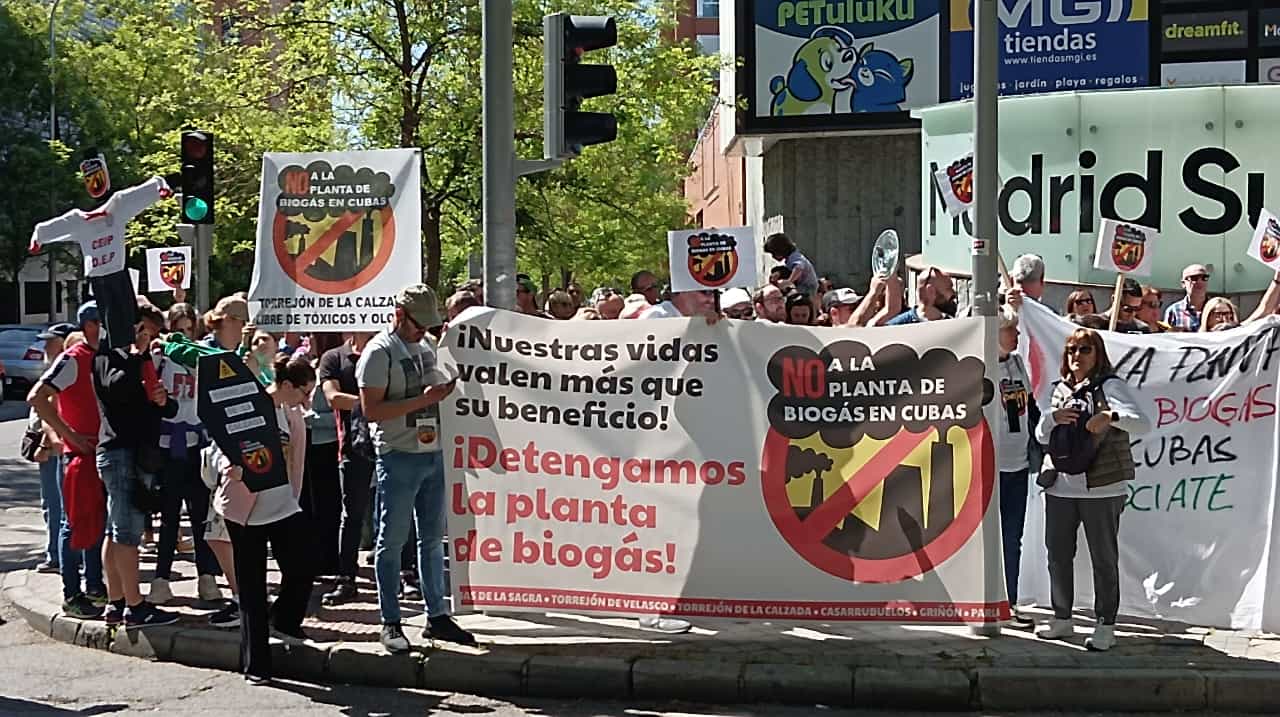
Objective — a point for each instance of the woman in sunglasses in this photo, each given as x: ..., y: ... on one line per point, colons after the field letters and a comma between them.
x: 1219, y: 315
x: 1080, y: 303
x: 1087, y: 425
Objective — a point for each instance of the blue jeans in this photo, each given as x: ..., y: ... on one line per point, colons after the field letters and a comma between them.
x: 1013, y: 514
x: 412, y: 487
x: 125, y: 523
x: 51, y: 506
x: 72, y: 560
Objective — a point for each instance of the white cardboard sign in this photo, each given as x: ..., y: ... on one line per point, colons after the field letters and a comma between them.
x: 1125, y: 247
x: 712, y: 258
x: 169, y: 268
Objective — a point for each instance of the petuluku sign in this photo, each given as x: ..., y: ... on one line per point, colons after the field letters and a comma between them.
x: 338, y: 236
x: 1070, y: 160
x: 1055, y: 45
x: 865, y: 60
x: 1197, y: 530
x: 738, y: 471
x: 1221, y: 30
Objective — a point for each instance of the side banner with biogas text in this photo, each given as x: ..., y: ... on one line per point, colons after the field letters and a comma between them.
x: 338, y: 236
x: 737, y: 470
x: 1195, y: 533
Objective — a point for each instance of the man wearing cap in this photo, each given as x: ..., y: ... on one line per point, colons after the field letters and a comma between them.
x: 736, y: 304
x: 400, y: 392
x: 839, y: 305
x: 1185, y: 314
x: 64, y: 400
x: 527, y: 296
x: 47, y: 456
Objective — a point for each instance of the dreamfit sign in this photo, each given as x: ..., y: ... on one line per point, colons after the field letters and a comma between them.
x: 1193, y: 163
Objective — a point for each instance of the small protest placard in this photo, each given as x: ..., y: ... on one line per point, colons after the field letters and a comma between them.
x: 241, y: 420
x: 169, y: 268
x: 1265, y: 245
x: 1125, y: 247
x: 955, y: 183
x: 712, y: 258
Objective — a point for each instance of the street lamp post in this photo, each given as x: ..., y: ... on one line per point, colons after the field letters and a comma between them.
x: 53, y: 170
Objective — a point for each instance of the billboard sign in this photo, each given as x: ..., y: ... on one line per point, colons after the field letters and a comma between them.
x: 1189, y: 31
x: 1056, y: 45
x: 866, y: 61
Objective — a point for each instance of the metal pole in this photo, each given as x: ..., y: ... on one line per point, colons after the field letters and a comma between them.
x: 499, y: 156
x: 986, y: 182
x: 53, y: 170
x: 203, y: 248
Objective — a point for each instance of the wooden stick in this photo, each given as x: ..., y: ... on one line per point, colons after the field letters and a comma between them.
x: 1005, y: 282
x: 1115, y: 301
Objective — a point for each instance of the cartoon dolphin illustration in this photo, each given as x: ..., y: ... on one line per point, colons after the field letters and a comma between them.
x: 880, y: 80
x: 822, y: 67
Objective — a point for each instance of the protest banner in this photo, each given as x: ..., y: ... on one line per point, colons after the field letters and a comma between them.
x: 1265, y: 244
x: 739, y: 470
x: 1195, y: 532
x: 712, y: 258
x: 338, y: 236
x: 169, y: 268
x: 241, y: 420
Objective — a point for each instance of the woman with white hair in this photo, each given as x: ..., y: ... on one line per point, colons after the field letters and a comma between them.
x: 1013, y: 433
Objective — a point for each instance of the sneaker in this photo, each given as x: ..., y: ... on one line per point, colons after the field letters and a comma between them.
x: 80, y: 607
x: 48, y: 567
x: 113, y: 615
x: 228, y: 618
x: 669, y: 625
x: 443, y: 628
x: 1021, y: 622
x: 1057, y: 630
x: 292, y: 637
x: 144, y: 614
x: 344, y: 591
x: 99, y: 599
x: 257, y: 681
x: 207, y: 590
x: 394, y: 640
x: 159, y: 593
x: 1102, y: 639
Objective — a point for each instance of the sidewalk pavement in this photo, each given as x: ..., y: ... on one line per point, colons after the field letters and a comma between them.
x: 1155, y: 666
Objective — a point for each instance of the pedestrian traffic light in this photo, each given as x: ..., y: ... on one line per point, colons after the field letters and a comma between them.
x: 567, y: 82
x: 197, y: 177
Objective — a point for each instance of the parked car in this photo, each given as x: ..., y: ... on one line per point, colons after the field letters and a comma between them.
x: 22, y: 357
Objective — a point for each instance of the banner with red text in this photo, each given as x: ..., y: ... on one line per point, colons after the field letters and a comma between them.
x: 1196, y: 533
x: 738, y: 470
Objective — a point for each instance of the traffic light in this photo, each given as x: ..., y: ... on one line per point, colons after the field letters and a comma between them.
x: 197, y: 177
x: 567, y: 82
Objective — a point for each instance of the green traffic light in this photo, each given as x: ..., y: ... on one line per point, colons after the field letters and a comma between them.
x: 196, y: 208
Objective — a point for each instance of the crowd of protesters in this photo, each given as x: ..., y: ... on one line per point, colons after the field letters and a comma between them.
x: 119, y: 442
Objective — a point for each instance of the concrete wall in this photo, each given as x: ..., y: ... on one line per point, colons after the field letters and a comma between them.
x: 836, y: 194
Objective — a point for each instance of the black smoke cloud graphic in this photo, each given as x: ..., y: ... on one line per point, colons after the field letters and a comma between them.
x: 379, y: 192
x: 965, y: 385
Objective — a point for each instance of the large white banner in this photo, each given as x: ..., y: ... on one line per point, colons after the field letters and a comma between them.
x: 339, y: 233
x: 740, y: 470
x: 1195, y: 534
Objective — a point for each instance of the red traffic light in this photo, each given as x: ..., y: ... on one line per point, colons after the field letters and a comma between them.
x: 195, y: 145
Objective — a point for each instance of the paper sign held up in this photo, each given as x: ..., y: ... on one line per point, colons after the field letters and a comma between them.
x: 1265, y: 245
x: 712, y: 258
x: 169, y: 268
x: 1125, y: 248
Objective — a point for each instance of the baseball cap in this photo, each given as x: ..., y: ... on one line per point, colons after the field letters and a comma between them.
x: 230, y: 306
x: 419, y: 302
x: 87, y: 312
x: 634, y: 305
x: 524, y: 282
x: 57, y: 331
x: 840, y: 297
x: 734, y: 297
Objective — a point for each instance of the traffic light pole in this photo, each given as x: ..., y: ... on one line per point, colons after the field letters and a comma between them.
x: 986, y: 182
x: 202, y: 249
x: 499, y: 156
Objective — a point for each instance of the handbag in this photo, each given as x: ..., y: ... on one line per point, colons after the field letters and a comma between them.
x: 31, y: 442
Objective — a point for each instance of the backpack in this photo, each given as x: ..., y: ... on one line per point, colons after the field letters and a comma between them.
x: 1072, y: 447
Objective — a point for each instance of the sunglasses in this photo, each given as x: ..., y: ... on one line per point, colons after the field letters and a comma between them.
x: 740, y: 313
x: 1086, y: 300
x: 1082, y: 349
x: 1196, y: 277
x: 1128, y: 309
x: 647, y: 289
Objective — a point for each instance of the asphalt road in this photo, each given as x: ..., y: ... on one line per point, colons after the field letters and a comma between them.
x: 39, y: 676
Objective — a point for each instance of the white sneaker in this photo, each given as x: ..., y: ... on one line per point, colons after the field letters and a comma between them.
x: 159, y: 593
x: 669, y: 625
x: 1057, y: 630
x: 1102, y: 639
x: 207, y: 589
